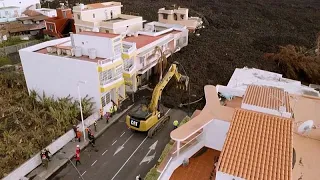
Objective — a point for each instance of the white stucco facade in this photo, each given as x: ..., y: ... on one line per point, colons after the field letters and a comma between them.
x: 23, y: 4
x: 216, y: 133
x: 9, y: 14
x: 105, y: 17
x: 53, y: 68
x: 58, y: 76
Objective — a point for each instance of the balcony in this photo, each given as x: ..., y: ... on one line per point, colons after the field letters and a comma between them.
x: 109, y: 81
x: 129, y: 69
x: 208, y: 129
x: 108, y: 61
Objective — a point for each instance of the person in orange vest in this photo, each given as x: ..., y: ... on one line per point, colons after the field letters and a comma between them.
x: 79, y: 135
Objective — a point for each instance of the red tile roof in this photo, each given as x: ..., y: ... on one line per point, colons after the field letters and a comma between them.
x: 258, y: 147
x: 267, y: 97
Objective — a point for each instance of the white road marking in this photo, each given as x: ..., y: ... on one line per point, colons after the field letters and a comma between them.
x: 122, y: 146
x: 122, y: 134
x: 129, y: 158
x: 150, y: 158
x: 167, y: 112
x: 93, y: 162
x: 104, y: 152
x: 83, y: 173
x: 114, y: 142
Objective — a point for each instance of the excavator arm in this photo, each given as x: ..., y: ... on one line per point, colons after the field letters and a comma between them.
x: 173, y: 71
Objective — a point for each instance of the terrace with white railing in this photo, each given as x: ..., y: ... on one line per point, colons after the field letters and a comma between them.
x: 208, y: 129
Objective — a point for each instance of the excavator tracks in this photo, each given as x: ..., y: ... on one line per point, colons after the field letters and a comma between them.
x: 156, y: 128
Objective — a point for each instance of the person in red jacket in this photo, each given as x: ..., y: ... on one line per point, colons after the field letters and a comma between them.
x: 78, y: 149
x: 78, y: 159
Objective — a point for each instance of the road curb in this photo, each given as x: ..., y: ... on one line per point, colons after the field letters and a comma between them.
x: 87, y: 142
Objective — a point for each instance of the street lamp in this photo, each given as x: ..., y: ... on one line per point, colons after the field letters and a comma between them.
x: 178, y: 63
x: 83, y: 129
x: 61, y: 156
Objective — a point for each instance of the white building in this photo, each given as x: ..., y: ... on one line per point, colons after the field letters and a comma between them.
x: 9, y: 14
x: 139, y: 61
x: 59, y: 66
x: 22, y: 4
x: 105, y: 17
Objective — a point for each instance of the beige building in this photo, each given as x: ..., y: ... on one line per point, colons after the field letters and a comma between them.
x: 259, y: 126
x: 179, y: 16
x: 105, y: 17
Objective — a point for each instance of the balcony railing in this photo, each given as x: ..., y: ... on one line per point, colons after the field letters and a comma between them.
x: 194, y: 139
x: 128, y: 69
x: 103, y: 83
x: 109, y: 60
x: 174, y: 159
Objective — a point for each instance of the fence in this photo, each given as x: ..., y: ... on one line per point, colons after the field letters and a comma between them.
x: 15, y: 48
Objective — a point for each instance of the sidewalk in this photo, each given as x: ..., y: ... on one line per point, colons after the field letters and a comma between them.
x: 60, y: 158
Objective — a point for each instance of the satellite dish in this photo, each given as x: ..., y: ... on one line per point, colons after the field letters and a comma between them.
x: 305, y: 126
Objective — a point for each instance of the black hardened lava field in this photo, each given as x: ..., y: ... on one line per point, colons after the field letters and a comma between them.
x: 237, y: 33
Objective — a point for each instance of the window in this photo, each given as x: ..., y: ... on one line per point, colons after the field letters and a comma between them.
x: 78, y: 15
x: 119, y: 70
x: 93, y: 15
x: 64, y: 14
x: 117, y: 50
x: 141, y: 60
x: 105, y: 99
x: 175, y: 16
x: 116, y: 40
x: 105, y: 76
x: 128, y: 63
x: 6, y: 13
x: 182, y: 16
x: 80, y: 30
x: 111, y: 14
x: 165, y: 16
x: 50, y: 27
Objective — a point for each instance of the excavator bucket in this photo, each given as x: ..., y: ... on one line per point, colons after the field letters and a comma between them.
x: 183, y: 83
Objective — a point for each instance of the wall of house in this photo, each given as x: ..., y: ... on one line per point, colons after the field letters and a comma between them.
x: 47, y: 12
x: 23, y: 4
x: 9, y: 14
x: 100, y: 14
x: 59, y: 76
x: 103, y: 45
x: 216, y: 133
x: 61, y: 15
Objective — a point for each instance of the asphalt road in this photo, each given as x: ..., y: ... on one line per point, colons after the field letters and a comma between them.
x: 108, y: 161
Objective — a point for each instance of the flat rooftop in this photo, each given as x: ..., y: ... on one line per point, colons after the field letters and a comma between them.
x: 99, y: 34
x: 83, y: 58
x: 98, y: 5
x: 143, y: 40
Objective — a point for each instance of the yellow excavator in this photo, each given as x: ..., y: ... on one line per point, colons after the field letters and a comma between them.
x: 145, y: 118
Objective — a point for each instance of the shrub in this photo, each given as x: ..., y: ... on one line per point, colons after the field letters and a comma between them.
x: 28, y: 123
x: 4, y: 61
x: 153, y: 174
